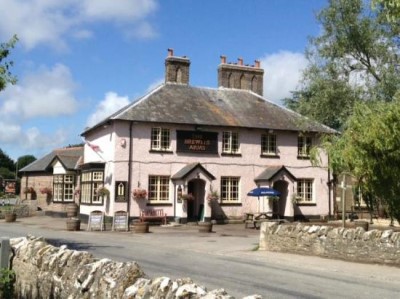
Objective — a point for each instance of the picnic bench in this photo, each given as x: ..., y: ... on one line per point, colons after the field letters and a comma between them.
x: 255, y: 219
x: 153, y: 214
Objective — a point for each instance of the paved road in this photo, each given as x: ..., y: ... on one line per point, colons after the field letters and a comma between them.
x: 224, y: 258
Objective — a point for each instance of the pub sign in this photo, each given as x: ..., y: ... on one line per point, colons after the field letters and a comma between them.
x: 197, y: 142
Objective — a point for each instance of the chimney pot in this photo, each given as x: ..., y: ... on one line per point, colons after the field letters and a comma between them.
x: 223, y: 59
x: 257, y: 63
x: 170, y: 52
x: 240, y: 61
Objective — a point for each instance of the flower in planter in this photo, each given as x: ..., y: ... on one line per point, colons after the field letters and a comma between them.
x: 77, y: 192
x: 102, y: 191
x: 188, y: 196
x: 139, y: 193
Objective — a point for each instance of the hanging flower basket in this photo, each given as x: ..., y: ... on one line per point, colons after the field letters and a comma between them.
x: 46, y: 190
x: 139, y: 194
x: 188, y: 196
x: 102, y: 191
x: 212, y: 196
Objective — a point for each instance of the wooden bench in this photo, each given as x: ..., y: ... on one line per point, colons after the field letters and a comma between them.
x: 153, y: 214
x: 255, y: 219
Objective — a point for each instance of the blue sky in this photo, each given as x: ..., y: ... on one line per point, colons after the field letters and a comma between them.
x: 77, y: 61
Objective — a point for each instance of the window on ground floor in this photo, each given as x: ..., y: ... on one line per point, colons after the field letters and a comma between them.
x: 91, y: 181
x: 305, y: 190
x: 158, y: 188
x: 230, y: 189
x: 63, y: 188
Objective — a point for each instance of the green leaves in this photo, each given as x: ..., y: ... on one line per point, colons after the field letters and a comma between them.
x: 5, y: 66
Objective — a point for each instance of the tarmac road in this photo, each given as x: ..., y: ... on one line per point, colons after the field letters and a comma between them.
x: 223, y: 259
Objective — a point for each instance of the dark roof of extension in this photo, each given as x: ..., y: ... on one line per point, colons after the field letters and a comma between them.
x: 226, y: 107
x: 68, y: 157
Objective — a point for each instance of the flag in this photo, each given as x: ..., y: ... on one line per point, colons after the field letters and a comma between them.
x: 94, y: 147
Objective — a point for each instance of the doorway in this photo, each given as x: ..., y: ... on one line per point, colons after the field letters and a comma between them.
x: 195, y: 207
x: 279, y: 206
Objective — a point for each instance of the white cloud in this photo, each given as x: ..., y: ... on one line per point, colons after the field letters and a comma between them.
x: 128, y: 10
x: 282, y: 74
x: 10, y: 132
x: 51, y: 21
x: 45, y: 93
x: 111, y: 104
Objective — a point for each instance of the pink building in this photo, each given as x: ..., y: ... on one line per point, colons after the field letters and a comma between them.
x: 181, y: 140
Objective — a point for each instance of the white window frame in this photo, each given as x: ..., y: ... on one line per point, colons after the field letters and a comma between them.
x: 160, y: 139
x: 159, y: 188
x: 304, y: 144
x: 63, y: 187
x: 90, y: 182
x: 305, y: 191
x: 230, y: 189
x: 268, y: 144
x: 230, y: 142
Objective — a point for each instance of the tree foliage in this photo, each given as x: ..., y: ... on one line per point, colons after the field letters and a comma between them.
x: 25, y: 160
x: 354, y: 59
x: 6, y: 162
x: 369, y: 148
x: 5, y: 64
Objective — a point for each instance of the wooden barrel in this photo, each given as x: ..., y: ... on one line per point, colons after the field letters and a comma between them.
x: 72, y: 210
x: 10, y: 217
x: 73, y: 224
x: 141, y: 227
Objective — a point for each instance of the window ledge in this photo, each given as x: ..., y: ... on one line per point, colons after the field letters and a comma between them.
x: 303, y: 157
x: 91, y: 204
x: 152, y: 204
x: 270, y: 156
x: 306, y: 204
x: 232, y: 155
x: 231, y: 204
x: 161, y: 151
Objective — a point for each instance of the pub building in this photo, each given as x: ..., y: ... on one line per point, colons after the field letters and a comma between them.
x: 180, y: 145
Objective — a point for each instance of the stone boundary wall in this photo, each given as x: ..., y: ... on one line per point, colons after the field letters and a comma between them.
x: 46, y: 271
x: 352, y: 244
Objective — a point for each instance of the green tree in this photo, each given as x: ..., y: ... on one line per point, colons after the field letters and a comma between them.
x: 390, y: 8
x: 354, y: 59
x: 5, y: 64
x: 6, y: 162
x: 369, y: 148
x: 25, y: 160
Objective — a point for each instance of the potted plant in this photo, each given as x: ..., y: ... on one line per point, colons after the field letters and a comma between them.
x: 10, y: 214
x: 139, y: 193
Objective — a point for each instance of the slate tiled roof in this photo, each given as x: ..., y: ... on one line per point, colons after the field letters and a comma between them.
x: 68, y: 157
x: 183, y: 104
x: 189, y: 168
x: 271, y: 171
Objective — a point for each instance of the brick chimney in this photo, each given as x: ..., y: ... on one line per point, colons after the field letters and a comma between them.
x: 176, y: 69
x: 241, y: 76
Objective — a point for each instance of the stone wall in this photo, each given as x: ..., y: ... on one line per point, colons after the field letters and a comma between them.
x: 46, y: 271
x: 353, y: 244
